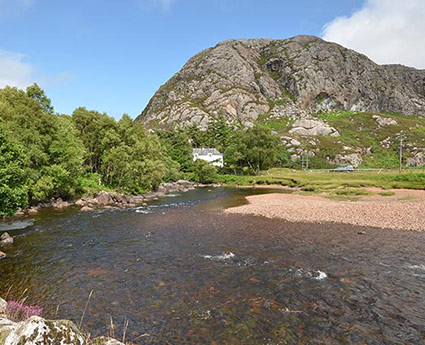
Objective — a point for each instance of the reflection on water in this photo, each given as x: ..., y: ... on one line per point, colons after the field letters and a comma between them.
x: 183, y: 272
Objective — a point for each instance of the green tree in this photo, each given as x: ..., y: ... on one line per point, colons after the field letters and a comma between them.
x: 205, y: 172
x: 178, y: 148
x: 256, y: 148
x: 53, y: 153
x: 139, y: 163
x: 35, y: 92
x: 13, y: 189
x: 99, y: 133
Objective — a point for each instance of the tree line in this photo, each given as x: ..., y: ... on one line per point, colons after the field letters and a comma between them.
x: 45, y: 155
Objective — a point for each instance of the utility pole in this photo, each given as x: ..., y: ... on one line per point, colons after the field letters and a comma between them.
x: 400, y: 154
x: 304, y: 163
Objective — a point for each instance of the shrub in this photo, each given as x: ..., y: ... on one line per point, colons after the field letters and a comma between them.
x: 204, y: 172
x: 19, y: 312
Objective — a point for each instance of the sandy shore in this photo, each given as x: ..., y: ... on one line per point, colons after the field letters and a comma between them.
x: 405, y: 210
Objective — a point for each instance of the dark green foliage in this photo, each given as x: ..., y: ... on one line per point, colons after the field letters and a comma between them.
x: 204, y: 172
x: 137, y: 162
x: 13, y: 189
x: 178, y: 147
x: 256, y: 148
x: 53, y: 152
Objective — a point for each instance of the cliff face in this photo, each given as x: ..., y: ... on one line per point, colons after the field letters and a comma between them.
x: 292, y: 78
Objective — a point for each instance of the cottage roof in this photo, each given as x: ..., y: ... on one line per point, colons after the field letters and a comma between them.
x: 205, y: 151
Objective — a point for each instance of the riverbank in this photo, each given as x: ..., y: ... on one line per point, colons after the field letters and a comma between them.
x: 397, y: 209
x: 105, y: 199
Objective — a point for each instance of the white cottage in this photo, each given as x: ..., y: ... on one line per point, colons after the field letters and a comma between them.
x: 209, y: 155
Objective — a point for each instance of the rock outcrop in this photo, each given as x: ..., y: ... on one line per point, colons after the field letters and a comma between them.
x: 292, y: 78
x: 312, y: 127
x: 417, y: 160
x: 354, y: 159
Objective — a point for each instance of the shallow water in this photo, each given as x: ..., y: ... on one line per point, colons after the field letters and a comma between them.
x: 182, y: 272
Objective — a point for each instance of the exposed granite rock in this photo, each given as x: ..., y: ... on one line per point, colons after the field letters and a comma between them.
x: 2, y: 255
x: 312, y: 127
x: 418, y: 160
x: 292, y: 78
x: 39, y: 331
x: 3, y: 305
x: 384, y: 121
x: 60, y: 204
x: 354, y: 159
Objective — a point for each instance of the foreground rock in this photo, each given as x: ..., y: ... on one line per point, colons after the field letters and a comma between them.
x: 39, y: 331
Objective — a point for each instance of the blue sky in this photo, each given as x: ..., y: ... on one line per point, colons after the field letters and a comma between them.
x: 112, y: 55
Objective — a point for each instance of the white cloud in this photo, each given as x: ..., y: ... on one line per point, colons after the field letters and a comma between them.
x: 388, y: 31
x: 165, y: 4
x: 13, y: 7
x: 14, y: 71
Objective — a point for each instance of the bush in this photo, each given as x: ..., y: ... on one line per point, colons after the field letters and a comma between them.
x: 17, y: 312
x: 205, y: 172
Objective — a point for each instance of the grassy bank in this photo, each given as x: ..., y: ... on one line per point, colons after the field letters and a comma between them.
x: 325, y: 182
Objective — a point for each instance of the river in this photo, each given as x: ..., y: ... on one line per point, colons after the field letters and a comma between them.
x: 182, y: 272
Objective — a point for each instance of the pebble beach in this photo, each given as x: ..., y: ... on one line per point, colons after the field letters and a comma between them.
x: 405, y: 210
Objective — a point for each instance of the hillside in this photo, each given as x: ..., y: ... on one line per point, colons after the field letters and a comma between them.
x: 293, y: 78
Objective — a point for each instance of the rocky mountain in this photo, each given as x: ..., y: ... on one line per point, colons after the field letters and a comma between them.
x: 295, y: 78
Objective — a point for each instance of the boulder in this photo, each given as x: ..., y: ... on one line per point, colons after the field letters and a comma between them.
x: 418, y: 160
x: 86, y: 209
x: 32, y: 211
x: 60, y: 204
x: 384, y: 121
x: 39, y: 331
x: 295, y: 142
x: 354, y: 159
x: 312, y: 127
x: 2, y: 255
x: 5, y: 239
x: 104, y: 198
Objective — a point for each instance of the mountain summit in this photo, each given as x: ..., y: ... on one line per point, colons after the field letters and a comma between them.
x: 293, y: 78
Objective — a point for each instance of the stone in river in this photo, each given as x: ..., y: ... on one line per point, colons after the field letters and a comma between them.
x: 5, y: 239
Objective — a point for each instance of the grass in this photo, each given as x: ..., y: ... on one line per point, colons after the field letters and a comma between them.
x: 386, y: 193
x: 359, y: 132
x: 90, y: 184
x: 339, y: 184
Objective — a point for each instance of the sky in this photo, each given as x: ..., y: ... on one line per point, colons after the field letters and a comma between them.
x: 112, y: 55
